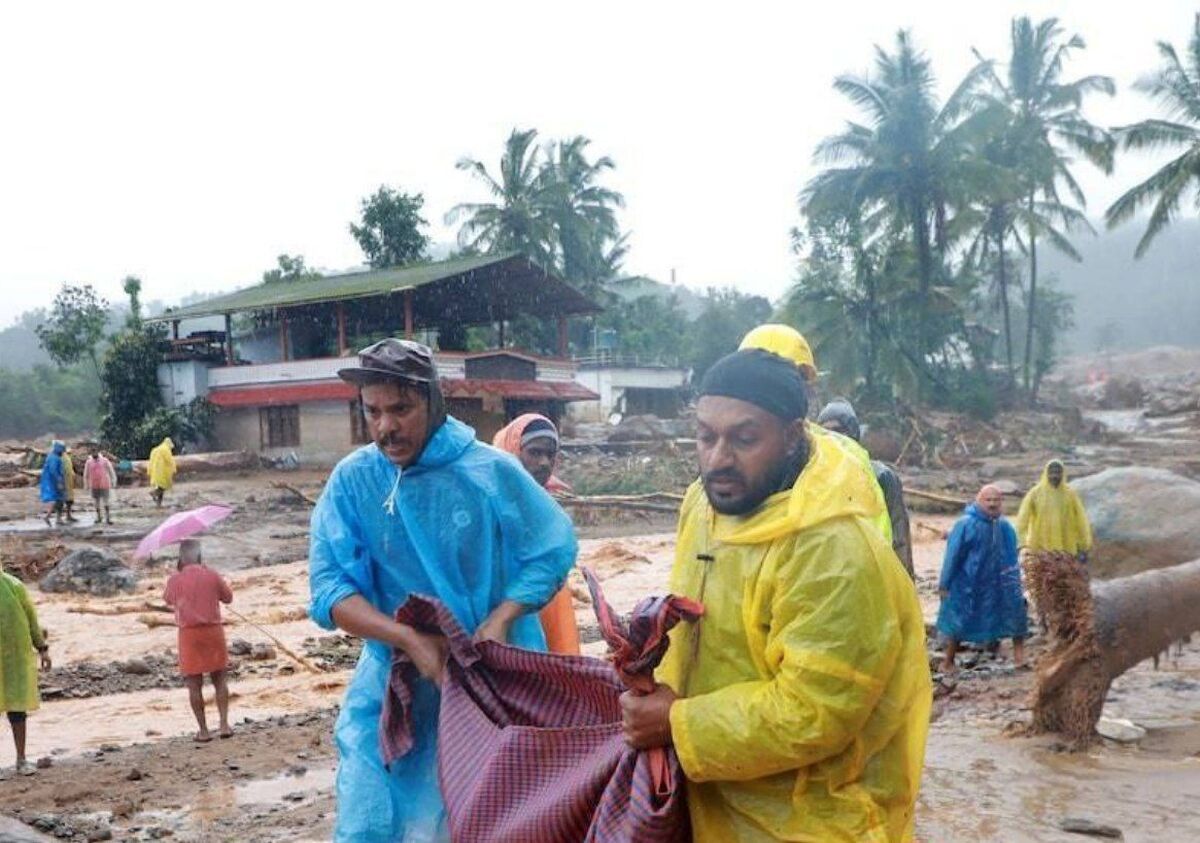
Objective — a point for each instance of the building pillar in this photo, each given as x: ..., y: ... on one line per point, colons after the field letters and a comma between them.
x: 341, y: 328
x: 408, y: 314
x: 174, y: 329
x: 284, y: 351
x: 562, y: 337
x: 229, y: 338
x: 502, y: 333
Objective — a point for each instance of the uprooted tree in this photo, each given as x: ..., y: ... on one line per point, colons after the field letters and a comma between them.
x: 1101, y: 630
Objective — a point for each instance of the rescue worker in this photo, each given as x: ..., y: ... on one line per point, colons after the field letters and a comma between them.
x: 799, y: 703
x: 1052, y: 516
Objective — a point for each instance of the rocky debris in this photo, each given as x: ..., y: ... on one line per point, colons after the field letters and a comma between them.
x: 262, y: 652
x: 239, y: 647
x: 333, y: 652
x: 651, y: 428
x: 29, y: 563
x: 90, y: 571
x: 136, y: 667
x: 1142, y: 518
x: 82, y: 680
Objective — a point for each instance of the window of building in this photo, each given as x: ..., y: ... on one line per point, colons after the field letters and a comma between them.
x: 280, y: 426
x: 359, y: 434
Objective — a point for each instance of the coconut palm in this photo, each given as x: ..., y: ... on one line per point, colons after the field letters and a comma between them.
x: 518, y: 218
x: 907, y: 168
x: 582, y: 211
x: 1176, y: 86
x: 1046, y: 124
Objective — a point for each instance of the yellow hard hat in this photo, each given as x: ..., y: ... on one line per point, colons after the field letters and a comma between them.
x: 785, y: 341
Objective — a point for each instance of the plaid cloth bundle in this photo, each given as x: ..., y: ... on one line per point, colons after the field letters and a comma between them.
x: 530, y: 746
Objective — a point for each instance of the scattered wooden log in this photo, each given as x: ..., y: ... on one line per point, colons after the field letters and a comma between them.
x: 936, y: 498
x: 293, y: 490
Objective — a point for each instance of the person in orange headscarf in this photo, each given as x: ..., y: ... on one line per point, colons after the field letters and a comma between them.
x: 533, y: 439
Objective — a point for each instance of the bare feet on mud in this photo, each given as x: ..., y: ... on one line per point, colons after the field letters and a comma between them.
x: 202, y: 737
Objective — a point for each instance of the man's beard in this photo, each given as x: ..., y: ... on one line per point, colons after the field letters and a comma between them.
x: 753, y: 496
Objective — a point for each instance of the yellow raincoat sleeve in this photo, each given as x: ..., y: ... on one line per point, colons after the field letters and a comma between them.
x: 1025, y: 516
x: 1082, y: 527
x: 35, y: 629
x: 831, y: 645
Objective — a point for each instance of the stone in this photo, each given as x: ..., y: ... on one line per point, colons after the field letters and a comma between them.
x: 239, y: 647
x: 136, y: 667
x: 100, y: 833
x: 1142, y: 518
x: 262, y: 652
x: 45, y: 762
x: 1120, y: 730
x: 134, y: 775
x: 90, y: 570
x: 1121, y: 393
x: 1078, y: 825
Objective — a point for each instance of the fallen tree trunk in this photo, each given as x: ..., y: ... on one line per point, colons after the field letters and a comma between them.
x: 1100, y: 631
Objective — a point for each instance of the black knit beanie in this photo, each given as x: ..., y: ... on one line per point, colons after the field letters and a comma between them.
x: 760, y: 378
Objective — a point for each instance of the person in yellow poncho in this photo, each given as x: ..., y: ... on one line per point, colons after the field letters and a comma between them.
x: 799, y: 703
x: 20, y: 636
x: 162, y: 469
x: 69, y: 475
x: 1052, y: 516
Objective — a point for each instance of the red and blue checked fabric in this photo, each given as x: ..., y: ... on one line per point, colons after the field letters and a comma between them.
x: 530, y: 746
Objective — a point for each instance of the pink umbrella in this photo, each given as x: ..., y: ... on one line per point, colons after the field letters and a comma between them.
x: 180, y: 526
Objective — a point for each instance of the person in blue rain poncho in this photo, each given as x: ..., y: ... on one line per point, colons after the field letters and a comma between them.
x: 425, y: 509
x: 980, y: 585
x: 52, y: 485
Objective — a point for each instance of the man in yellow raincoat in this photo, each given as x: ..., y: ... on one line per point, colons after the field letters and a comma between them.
x: 162, y: 469
x: 799, y: 704
x: 20, y: 636
x: 1052, y: 516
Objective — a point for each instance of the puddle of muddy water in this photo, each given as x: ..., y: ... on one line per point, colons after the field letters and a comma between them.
x: 223, y: 801
x: 980, y: 786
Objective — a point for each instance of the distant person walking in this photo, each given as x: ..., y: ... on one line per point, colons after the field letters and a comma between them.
x: 68, y: 462
x: 100, y: 478
x: 533, y: 440
x: 162, y: 470
x: 52, y: 486
x: 1052, y: 516
x: 980, y: 585
x: 20, y: 637
x: 196, y: 593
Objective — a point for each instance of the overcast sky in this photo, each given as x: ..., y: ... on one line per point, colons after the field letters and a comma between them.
x: 192, y: 147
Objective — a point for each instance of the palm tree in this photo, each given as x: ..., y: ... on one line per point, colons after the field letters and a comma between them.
x: 1044, y: 118
x: 907, y: 167
x: 583, y: 211
x: 1176, y: 85
x: 519, y: 217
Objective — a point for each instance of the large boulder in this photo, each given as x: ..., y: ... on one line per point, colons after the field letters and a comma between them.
x: 1142, y: 518
x: 90, y: 571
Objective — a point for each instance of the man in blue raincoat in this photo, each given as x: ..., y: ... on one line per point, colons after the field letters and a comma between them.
x: 424, y: 509
x: 980, y: 585
x: 52, y: 487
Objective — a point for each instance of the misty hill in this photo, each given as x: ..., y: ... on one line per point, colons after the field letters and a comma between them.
x: 1152, y: 301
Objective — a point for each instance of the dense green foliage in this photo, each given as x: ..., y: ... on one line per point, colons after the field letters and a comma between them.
x: 389, y: 232
x: 48, y: 400
x: 75, y: 326
x: 921, y: 235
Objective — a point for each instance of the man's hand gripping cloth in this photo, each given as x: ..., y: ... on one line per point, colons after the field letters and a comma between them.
x: 531, y: 746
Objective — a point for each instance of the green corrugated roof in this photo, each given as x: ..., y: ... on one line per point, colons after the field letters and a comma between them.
x: 494, y: 269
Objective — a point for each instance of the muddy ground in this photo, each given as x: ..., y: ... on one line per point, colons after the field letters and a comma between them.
x: 115, y: 729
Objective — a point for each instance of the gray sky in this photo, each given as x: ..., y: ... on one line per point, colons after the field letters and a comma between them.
x: 190, y: 146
